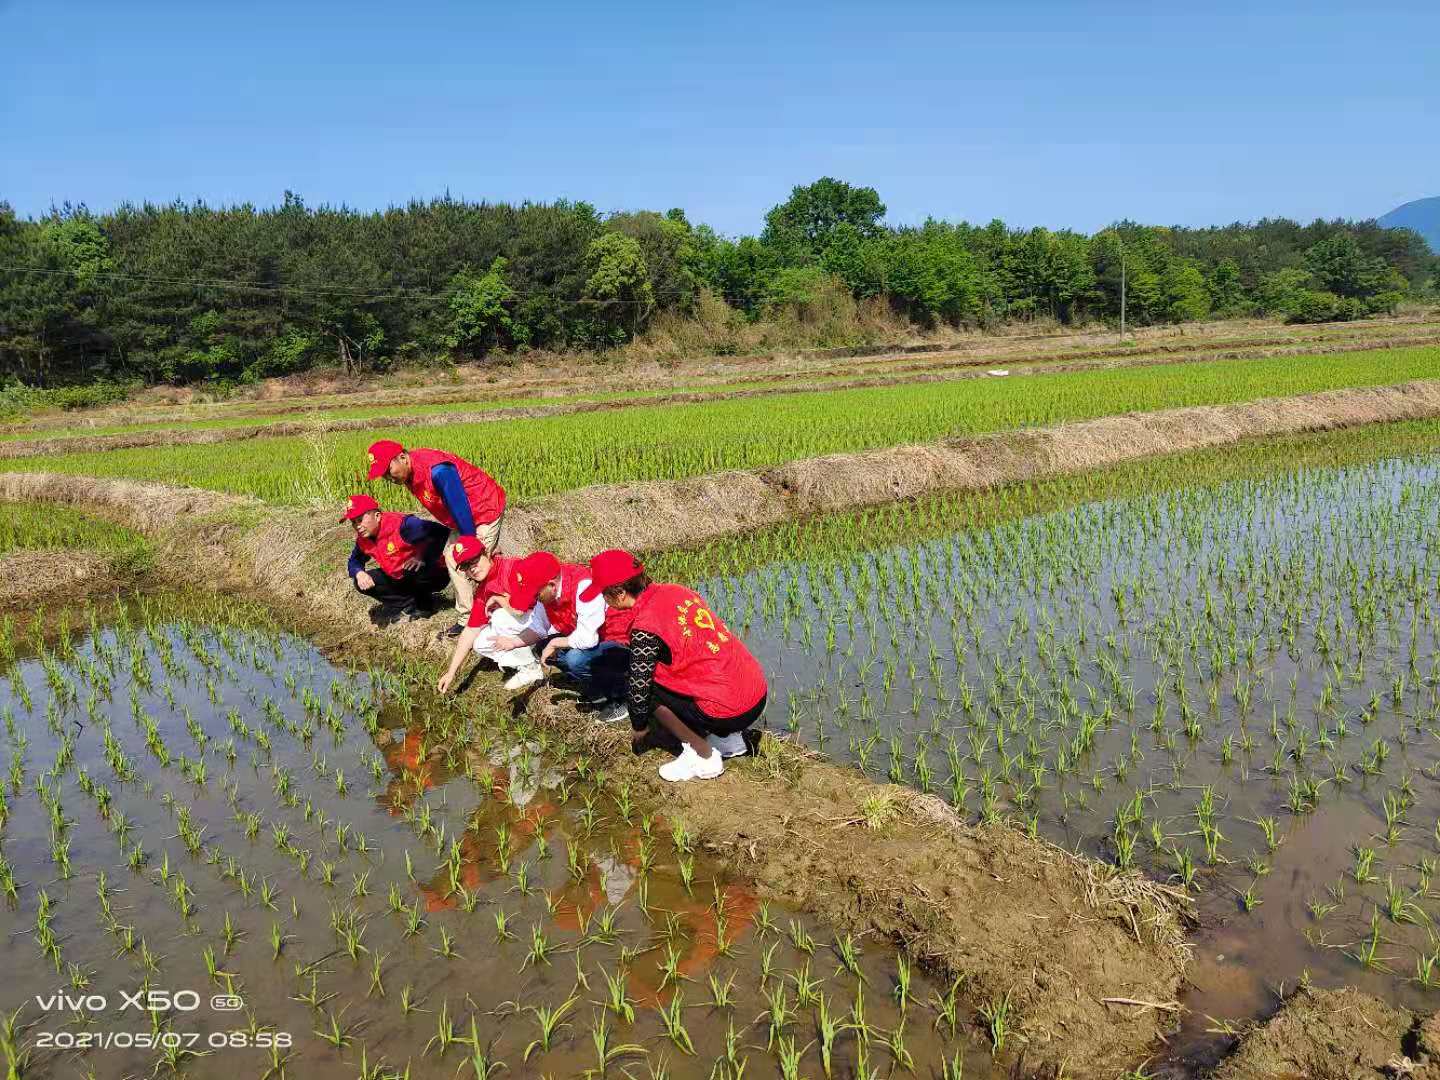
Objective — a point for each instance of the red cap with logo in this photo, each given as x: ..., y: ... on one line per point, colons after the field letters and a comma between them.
x: 359, y: 505
x: 466, y: 550
x: 381, y: 454
x: 609, y: 568
x: 532, y: 574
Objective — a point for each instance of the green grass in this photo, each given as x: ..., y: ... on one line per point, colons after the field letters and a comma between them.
x: 551, y: 454
x: 26, y: 526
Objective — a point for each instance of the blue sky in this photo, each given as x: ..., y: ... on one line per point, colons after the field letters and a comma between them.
x: 1037, y: 113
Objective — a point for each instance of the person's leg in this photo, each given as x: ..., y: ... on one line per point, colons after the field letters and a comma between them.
x: 489, y: 534
x: 504, y: 624
x: 463, y: 586
x: 421, y: 585
x: 386, y: 589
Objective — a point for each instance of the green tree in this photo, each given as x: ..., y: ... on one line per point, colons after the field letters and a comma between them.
x: 1186, y: 296
x: 620, y: 280
x: 479, y: 313
x: 1340, y: 266
x: 802, y: 226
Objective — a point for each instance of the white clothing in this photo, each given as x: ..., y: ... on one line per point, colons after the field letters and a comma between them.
x: 504, y: 624
x: 589, y: 618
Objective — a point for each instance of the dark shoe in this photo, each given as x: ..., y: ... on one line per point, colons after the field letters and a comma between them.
x: 453, y: 631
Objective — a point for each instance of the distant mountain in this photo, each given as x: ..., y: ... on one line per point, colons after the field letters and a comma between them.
x: 1422, y: 215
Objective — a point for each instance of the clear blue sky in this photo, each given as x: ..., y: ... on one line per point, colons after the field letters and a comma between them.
x: 1061, y: 114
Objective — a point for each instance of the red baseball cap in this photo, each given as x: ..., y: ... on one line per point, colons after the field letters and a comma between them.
x: 359, y: 505
x: 381, y: 454
x: 533, y: 573
x: 466, y: 550
x: 610, y: 567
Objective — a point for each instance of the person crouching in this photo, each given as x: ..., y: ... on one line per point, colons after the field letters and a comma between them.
x: 408, y: 553
x: 495, y: 628
x: 692, y: 685
x: 589, y: 637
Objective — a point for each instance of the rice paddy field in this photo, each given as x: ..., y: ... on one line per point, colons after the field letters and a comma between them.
x: 225, y: 848
x: 307, y: 871
x: 673, y: 441
x: 1222, y: 669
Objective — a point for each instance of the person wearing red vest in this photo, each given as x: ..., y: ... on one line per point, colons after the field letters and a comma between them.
x: 688, y: 673
x: 461, y: 496
x: 408, y: 553
x: 496, y: 628
x: 588, y: 639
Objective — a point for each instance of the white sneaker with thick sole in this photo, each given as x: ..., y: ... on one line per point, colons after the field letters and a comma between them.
x: 528, y: 675
x: 728, y: 746
x: 691, y: 766
x: 613, y: 714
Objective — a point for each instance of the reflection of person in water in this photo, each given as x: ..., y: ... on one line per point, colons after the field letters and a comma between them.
x: 410, y: 774
x: 528, y: 813
x: 701, y: 937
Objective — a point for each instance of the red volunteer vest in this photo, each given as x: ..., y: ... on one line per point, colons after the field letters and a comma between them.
x: 487, y: 498
x: 500, y: 582
x: 616, y: 626
x: 562, y: 611
x: 707, y: 662
x: 389, y: 549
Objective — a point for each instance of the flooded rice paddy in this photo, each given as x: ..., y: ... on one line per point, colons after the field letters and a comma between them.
x: 1233, y: 686
x: 223, y: 855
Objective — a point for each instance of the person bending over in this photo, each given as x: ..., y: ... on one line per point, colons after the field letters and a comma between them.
x: 408, y: 552
x: 693, y: 686
x: 461, y: 496
x: 587, y: 638
x: 496, y: 629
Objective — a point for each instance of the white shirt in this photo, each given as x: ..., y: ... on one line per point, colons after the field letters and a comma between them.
x: 589, y: 618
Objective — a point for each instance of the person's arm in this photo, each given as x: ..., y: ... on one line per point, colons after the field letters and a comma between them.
x: 357, y: 561
x: 427, y: 537
x: 463, y: 646
x: 446, y: 479
x: 589, y: 618
x: 647, y: 650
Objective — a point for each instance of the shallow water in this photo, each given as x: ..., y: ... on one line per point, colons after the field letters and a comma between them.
x: 336, y: 827
x: 1148, y: 680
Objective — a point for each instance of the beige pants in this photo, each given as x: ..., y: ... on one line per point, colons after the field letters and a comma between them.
x: 489, y: 535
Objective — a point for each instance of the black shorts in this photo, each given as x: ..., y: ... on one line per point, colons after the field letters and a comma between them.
x: 701, y: 722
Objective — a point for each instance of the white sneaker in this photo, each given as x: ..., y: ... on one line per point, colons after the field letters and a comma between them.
x: 728, y: 746
x: 691, y: 766
x: 613, y: 714
x: 528, y: 675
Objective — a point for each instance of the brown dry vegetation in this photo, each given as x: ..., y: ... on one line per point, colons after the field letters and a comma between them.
x: 28, y: 578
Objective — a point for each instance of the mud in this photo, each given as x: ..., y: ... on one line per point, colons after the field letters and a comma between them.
x: 1337, y: 1035
x: 664, y: 514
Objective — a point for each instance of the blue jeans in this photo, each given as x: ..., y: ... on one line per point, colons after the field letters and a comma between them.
x: 600, y: 670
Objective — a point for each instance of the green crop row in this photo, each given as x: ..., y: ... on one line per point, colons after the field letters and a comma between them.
x: 550, y: 454
x: 26, y: 526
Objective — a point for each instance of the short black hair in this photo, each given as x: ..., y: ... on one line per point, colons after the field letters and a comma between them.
x: 633, y: 586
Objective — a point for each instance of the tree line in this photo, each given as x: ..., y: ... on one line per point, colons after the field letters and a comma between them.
x: 188, y: 292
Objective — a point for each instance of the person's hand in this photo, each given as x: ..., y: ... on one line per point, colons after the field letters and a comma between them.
x: 412, y: 563
x: 443, y: 686
x: 364, y: 580
x: 492, y: 603
x: 551, y: 648
x: 504, y: 643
